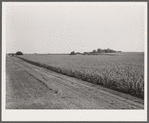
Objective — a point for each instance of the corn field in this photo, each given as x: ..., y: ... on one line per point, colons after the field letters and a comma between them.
x: 123, y: 72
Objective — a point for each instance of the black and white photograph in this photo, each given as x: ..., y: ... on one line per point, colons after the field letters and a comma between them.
x: 74, y: 61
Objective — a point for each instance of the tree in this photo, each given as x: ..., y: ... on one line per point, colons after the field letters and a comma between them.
x: 72, y: 53
x: 106, y: 51
x: 19, y: 53
x: 99, y: 50
x: 94, y: 51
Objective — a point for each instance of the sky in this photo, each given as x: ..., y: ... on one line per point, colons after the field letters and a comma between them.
x: 62, y: 27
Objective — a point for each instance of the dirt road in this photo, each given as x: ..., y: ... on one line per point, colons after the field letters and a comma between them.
x: 32, y: 87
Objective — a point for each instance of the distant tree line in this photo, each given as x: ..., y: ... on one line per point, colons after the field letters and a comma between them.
x: 99, y: 50
x: 17, y: 53
x: 104, y: 51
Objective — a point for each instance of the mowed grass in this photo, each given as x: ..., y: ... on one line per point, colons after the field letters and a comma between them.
x: 123, y: 71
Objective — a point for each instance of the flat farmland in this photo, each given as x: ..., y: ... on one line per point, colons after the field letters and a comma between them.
x: 31, y: 86
x: 123, y: 72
